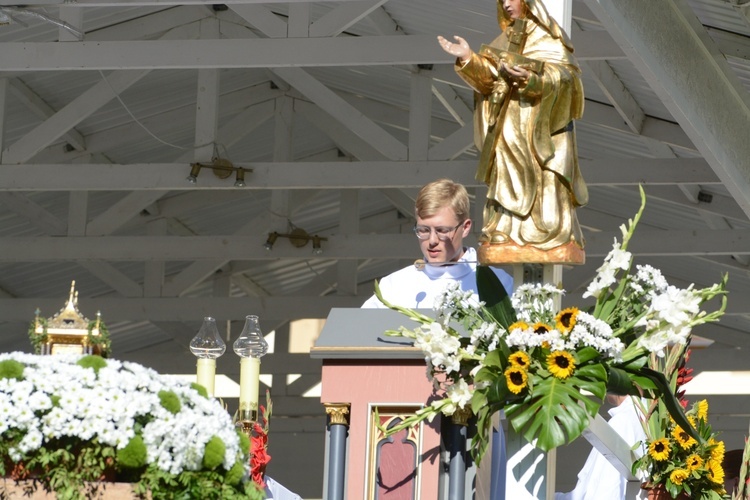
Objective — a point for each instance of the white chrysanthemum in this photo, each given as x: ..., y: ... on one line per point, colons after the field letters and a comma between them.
x: 106, y: 406
x: 536, y: 301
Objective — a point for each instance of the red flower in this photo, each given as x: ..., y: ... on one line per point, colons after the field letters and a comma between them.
x: 259, y: 456
x: 258, y: 461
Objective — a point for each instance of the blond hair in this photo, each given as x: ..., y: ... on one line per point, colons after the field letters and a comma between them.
x: 441, y: 193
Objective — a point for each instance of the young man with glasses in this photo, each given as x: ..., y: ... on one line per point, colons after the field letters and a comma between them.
x: 442, y: 212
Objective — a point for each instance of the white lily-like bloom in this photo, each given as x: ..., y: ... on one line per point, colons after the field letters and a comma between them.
x: 617, y: 259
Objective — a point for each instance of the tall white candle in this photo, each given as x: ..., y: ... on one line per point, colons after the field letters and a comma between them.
x: 249, y: 381
x: 206, y: 375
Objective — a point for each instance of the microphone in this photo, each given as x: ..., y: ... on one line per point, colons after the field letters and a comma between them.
x: 420, y: 264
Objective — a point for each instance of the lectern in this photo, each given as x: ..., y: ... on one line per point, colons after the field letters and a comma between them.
x: 370, y: 378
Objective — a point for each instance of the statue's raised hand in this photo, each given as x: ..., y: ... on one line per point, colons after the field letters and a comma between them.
x: 460, y: 48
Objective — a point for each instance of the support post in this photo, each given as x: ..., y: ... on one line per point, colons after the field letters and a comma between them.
x: 338, y: 427
x: 530, y: 473
x: 457, y: 464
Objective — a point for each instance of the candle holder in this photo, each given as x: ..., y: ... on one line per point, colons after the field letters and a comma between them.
x: 250, y: 346
x: 207, y: 346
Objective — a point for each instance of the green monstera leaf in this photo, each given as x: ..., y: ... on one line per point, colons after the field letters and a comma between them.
x: 496, y: 299
x: 556, y: 411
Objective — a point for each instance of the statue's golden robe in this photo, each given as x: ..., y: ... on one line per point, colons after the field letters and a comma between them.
x: 526, y: 135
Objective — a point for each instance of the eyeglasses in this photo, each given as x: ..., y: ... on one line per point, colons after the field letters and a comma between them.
x: 442, y: 232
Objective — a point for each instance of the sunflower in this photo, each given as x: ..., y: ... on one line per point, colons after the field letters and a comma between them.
x: 685, y: 440
x: 693, y: 462
x: 717, y: 450
x: 566, y: 319
x: 516, y: 378
x: 659, y: 449
x: 561, y: 364
x: 715, y: 472
x: 541, y: 328
x: 678, y: 476
x: 520, y: 325
x: 520, y: 359
x: 702, y: 413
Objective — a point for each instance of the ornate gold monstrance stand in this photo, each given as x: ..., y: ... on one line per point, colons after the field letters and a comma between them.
x: 67, y: 332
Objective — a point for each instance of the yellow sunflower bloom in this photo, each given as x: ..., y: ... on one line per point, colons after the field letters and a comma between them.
x: 717, y: 450
x: 702, y: 412
x: 516, y: 379
x: 541, y: 328
x: 659, y: 449
x: 715, y: 472
x: 685, y: 440
x: 521, y: 325
x: 678, y: 476
x: 693, y: 462
x: 566, y: 319
x: 561, y: 364
x: 520, y: 359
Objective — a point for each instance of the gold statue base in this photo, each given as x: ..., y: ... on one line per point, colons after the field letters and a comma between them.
x: 512, y: 253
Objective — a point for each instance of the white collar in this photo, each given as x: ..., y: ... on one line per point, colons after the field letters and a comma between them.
x: 463, y: 266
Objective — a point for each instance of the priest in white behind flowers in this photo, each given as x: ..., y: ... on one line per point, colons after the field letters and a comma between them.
x: 442, y: 213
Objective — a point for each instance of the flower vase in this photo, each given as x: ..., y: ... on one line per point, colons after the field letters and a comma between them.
x: 659, y: 492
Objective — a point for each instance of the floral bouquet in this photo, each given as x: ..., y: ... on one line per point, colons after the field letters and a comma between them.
x: 681, y: 464
x: 536, y: 361
x: 70, y: 421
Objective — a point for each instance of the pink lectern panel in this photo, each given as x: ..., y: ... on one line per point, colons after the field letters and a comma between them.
x: 387, y: 383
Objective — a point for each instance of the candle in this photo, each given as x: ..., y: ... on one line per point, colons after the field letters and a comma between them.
x: 250, y: 346
x: 249, y: 385
x: 206, y: 374
x: 207, y: 346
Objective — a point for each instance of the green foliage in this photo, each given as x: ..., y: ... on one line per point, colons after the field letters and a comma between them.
x: 70, y: 469
x: 133, y: 455
x: 244, y: 440
x: 102, y: 340
x: 38, y: 339
x: 496, y: 299
x: 92, y: 361
x: 234, y: 476
x: 10, y: 368
x: 214, y: 454
x: 200, y: 389
x: 170, y: 401
x: 190, y: 485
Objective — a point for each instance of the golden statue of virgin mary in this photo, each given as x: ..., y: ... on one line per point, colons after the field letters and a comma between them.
x: 528, y: 91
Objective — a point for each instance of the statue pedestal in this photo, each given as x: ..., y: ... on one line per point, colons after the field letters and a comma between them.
x: 511, y: 253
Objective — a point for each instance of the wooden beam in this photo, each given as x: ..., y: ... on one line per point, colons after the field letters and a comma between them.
x: 376, y: 246
x: 329, y: 175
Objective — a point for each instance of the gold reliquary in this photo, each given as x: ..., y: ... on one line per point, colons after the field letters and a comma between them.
x: 68, y: 331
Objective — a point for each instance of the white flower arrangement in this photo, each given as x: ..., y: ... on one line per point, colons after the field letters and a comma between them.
x: 529, y: 358
x: 128, y: 411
